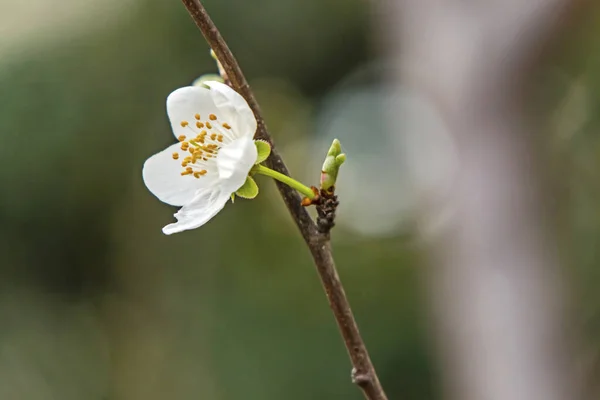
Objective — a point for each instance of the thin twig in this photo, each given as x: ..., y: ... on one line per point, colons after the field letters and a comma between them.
x: 363, y: 372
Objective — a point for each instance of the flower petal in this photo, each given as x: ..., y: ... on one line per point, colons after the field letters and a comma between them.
x: 206, y: 204
x: 184, y: 103
x: 234, y: 162
x: 234, y: 108
x: 162, y: 176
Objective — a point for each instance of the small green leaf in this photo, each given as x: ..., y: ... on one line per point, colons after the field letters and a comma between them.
x: 264, y: 149
x: 249, y: 189
x: 335, y: 149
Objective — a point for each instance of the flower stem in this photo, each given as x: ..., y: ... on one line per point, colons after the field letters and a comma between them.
x: 305, y: 190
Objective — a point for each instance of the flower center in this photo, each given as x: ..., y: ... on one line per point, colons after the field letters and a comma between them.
x: 199, y: 149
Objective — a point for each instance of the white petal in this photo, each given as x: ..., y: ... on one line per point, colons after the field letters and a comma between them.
x: 162, y: 176
x: 233, y: 108
x: 206, y: 204
x: 184, y: 103
x: 234, y: 161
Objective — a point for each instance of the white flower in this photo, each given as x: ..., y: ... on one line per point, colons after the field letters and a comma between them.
x: 215, y: 128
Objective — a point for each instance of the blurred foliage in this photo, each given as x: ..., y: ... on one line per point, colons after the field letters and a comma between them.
x: 96, y: 303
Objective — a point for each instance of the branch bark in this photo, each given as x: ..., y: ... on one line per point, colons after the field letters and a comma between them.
x: 363, y: 372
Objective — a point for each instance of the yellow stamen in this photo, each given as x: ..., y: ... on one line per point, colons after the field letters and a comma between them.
x: 184, y: 124
x: 199, y: 124
x: 181, y: 138
x: 226, y: 125
x: 208, y: 125
x: 175, y: 156
x: 213, y: 136
x: 212, y: 117
x: 197, y: 116
x: 220, y: 138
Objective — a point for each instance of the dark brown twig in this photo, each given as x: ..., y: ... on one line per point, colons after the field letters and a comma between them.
x: 363, y: 373
x: 326, y: 208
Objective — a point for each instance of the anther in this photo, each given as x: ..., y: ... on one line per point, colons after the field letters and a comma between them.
x: 186, y: 172
x: 181, y: 138
x: 184, y: 124
x: 213, y: 136
x: 175, y: 156
x: 189, y: 169
x: 185, y: 163
x: 203, y: 172
x: 220, y: 138
x: 199, y: 124
x: 212, y: 117
x: 197, y: 116
x: 226, y: 125
x: 208, y: 125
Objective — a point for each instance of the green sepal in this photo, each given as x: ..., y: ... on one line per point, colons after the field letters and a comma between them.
x: 249, y: 189
x: 263, y: 149
x: 207, y: 78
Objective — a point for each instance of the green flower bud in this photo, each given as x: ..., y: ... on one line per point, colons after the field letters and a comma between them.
x: 329, y: 172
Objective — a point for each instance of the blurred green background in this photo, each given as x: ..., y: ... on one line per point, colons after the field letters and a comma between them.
x: 96, y: 303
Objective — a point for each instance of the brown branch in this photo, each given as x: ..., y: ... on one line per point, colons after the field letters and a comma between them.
x: 363, y: 372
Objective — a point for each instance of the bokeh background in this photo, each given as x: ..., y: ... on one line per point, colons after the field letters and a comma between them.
x: 96, y: 303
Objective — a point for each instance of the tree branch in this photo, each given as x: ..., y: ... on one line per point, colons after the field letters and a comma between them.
x: 363, y: 373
